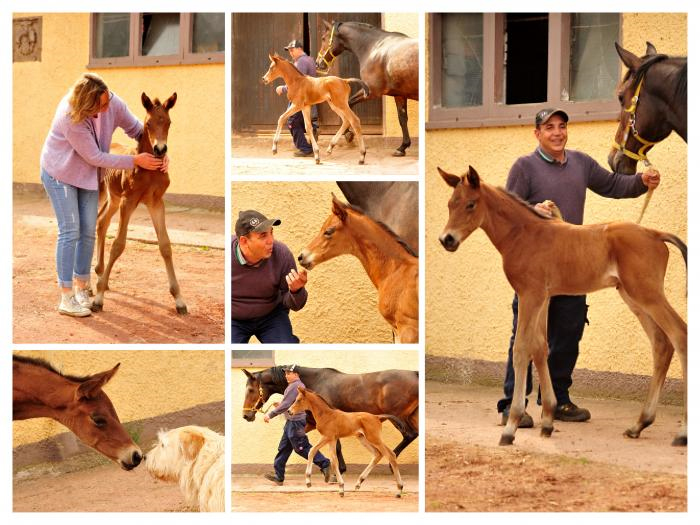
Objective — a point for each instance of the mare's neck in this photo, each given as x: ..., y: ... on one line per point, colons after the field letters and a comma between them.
x: 359, y: 40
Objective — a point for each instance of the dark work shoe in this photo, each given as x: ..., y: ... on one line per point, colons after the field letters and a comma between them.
x: 300, y: 153
x: 326, y: 474
x: 273, y: 477
x: 570, y: 412
x: 525, y: 421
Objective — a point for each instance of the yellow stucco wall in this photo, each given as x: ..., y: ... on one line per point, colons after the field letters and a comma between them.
x: 342, y: 304
x: 196, y: 139
x: 149, y: 383
x: 406, y: 23
x: 467, y: 296
x: 257, y: 442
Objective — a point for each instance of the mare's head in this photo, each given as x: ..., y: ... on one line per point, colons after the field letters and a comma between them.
x: 157, y: 123
x: 255, y: 395
x: 466, y: 210
x: 275, y: 69
x: 334, y: 238
x: 645, y: 94
x: 331, y: 47
x: 92, y: 417
x: 301, y: 403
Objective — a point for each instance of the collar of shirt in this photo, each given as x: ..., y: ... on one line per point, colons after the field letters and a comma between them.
x: 549, y: 159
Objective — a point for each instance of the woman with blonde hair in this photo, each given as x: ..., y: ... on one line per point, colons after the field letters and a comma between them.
x: 75, y: 149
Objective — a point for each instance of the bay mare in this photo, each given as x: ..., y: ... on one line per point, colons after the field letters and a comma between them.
x: 545, y: 257
x: 333, y: 424
x: 392, y: 392
x: 77, y: 402
x: 390, y: 264
x: 304, y: 91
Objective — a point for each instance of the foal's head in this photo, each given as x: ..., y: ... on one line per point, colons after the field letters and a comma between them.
x: 157, y: 122
x: 275, y: 69
x: 466, y: 210
x: 333, y: 240
x: 301, y: 403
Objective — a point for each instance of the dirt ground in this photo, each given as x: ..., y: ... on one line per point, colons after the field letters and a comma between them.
x: 252, y: 493
x: 252, y: 156
x: 139, y: 307
x: 583, y: 467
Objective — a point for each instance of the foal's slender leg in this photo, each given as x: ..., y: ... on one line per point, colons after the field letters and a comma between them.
x: 157, y: 212
x: 357, y: 128
x: 310, y: 459
x: 391, y: 457
x: 107, y: 210
x: 402, y: 110
x: 334, y: 462
x: 376, y: 458
x: 306, y: 111
x: 540, y: 356
x: 526, y: 341
x: 280, y: 122
x: 343, y: 127
x: 126, y: 208
x: 662, y: 348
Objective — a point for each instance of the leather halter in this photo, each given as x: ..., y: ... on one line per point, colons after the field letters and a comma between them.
x: 323, y: 55
x: 258, y: 405
x: 631, y: 126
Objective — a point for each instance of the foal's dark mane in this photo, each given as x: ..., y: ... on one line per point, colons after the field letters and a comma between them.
x: 384, y: 227
x: 518, y: 200
x: 36, y: 361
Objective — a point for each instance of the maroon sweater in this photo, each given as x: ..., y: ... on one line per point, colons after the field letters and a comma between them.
x: 535, y: 178
x: 258, y: 290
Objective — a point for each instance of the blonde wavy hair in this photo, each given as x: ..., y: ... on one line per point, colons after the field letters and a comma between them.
x: 85, y: 97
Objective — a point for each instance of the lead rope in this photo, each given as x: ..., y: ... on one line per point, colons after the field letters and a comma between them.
x: 647, y: 197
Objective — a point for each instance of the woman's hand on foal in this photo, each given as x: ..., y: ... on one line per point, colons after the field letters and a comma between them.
x: 166, y: 163
x: 147, y: 161
x: 296, y: 280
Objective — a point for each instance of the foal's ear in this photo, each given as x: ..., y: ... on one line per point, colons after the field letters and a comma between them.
x: 93, y: 385
x: 170, y: 102
x: 629, y: 59
x: 338, y: 208
x: 473, y: 178
x: 146, y: 102
x: 451, y: 180
x: 651, y: 49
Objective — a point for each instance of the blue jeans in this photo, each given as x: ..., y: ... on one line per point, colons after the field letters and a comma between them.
x: 566, y: 319
x: 76, y: 213
x: 274, y: 327
x: 297, y: 128
x: 294, y: 439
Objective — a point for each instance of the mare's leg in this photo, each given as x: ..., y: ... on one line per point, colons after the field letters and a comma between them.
x: 528, y: 339
x: 280, y: 122
x: 402, y: 110
x: 126, y: 208
x: 306, y: 111
x: 410, y: 435
x: 157, y: 210
x: 341, y: 460
x: 108, y: 208
x: 662, y: 350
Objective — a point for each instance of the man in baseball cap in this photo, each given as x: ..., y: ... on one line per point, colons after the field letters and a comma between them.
x: 265, y: 284
x: 563, y: 176
x: 295, y: 123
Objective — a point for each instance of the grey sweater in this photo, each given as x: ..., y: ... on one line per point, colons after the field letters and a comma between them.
x: 536, y: 178
x: 289, y: 396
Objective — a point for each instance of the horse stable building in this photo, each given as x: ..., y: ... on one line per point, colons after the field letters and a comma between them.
x: 155, y: 53
x: 256, y: 107
x: 254, y: 444
x: 487, y: 75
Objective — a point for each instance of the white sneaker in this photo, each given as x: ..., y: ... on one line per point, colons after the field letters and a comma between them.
x: 82, y: 296
x: 70, y: 306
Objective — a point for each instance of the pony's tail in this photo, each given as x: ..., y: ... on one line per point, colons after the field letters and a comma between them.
x: 400, y: 425
x: 362, y: 87
x: 672, y: 239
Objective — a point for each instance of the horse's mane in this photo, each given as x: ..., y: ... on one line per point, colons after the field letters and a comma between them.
x: 384, y: 227
x: 36, y: 361
x: 681, y: 79
x: 291, y: 64
x: 524, y: 203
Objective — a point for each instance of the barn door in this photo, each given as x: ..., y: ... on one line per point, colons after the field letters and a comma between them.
x: 255, y: 106
x: 346, y: 66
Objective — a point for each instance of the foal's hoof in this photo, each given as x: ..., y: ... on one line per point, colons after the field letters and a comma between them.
x: 308, y: 484
x: 181, y: 309
x: 631, y: 433
x: 398, y: 495
x: 506, y: 440
x: 680, y: 441
x: 95, y: 307
x: 349, y: 136
x: 398, y: 153
x: 318, y: 161
x: 546, y: 432
x: 342, y: 494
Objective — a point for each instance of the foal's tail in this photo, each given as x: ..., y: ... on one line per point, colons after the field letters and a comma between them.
x: 670, y: 238
x: 398, y: 423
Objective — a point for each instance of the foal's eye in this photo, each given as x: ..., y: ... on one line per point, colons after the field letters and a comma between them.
x: 329, y: 232
x: 471, y: 205
x: 99, y: 421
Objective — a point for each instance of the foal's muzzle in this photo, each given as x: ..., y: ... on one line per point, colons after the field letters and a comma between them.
x: 449, y: 242
x: 159, y: 150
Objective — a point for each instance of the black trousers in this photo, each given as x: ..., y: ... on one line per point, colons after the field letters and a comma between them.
x: 565, y: 322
